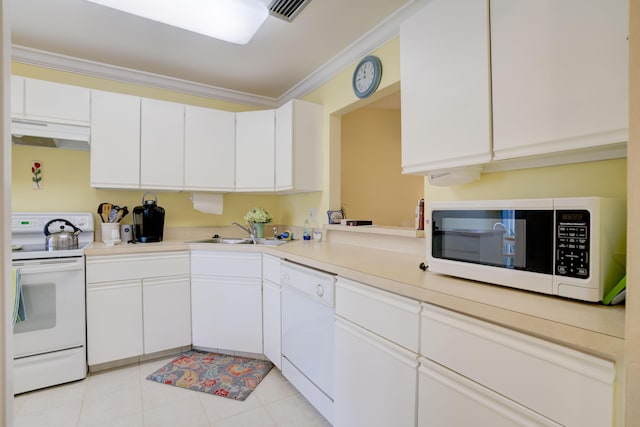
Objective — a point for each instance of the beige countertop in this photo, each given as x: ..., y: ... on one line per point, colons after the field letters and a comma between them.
x: 590, y: 327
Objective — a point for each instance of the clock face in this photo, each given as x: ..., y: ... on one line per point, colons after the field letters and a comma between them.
x: 366, y: 76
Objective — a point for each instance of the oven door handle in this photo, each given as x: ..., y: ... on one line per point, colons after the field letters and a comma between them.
x: 47, y: 268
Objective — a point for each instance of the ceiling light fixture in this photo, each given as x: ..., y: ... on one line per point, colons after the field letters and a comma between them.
x: 235, y: 21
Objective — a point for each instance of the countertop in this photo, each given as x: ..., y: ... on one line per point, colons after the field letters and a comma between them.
x: 590, y: 327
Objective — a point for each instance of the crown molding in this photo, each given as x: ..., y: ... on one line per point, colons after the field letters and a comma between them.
x: 370, y: 41
x: 71, y: 64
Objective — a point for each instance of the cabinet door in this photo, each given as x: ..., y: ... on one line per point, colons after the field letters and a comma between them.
x: 114, y: 320
x: 227, y: 313
x: 162, y: 145
x: 298, y: 151
x: 55, y: 101
x: 446, y: 399
x: 255, y: 150
x: 209, y: 150
x: 271, y: 328
x: 167, y: 313
x: 445, y: 78
x: 284, y: 147
x: 115, y: 140
x: 375, y: 380
x: 560, y: 75
x: 17, y: 96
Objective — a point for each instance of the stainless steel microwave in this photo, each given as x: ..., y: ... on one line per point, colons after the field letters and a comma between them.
x: 571, y: 247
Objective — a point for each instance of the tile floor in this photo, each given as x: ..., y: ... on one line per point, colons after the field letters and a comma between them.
x: 123, y: 397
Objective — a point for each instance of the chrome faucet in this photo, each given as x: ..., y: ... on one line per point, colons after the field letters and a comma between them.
x: 251, y: 230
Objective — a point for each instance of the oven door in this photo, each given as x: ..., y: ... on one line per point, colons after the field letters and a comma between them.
x: 54, y: 300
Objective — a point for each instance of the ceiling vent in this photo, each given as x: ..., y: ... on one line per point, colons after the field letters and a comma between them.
x: 287, y: 9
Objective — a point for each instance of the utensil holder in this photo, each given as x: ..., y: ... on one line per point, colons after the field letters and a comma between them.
x: 110, y: 233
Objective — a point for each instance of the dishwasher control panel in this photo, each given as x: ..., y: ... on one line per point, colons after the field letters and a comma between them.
x: 316, y: 284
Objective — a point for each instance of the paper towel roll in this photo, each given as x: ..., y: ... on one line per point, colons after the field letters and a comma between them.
x: 210, y: 203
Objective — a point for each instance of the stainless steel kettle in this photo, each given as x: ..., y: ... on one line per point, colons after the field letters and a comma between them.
x: 61, y: 239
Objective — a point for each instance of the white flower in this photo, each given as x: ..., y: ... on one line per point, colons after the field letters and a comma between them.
x: 258, y: 215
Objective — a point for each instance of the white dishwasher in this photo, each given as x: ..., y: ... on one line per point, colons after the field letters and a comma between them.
x: 308, y: 333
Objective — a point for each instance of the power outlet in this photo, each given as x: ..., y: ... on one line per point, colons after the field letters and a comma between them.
x: 312, y: 213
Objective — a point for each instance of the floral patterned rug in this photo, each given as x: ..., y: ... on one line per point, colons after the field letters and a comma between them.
x: 233, y: 377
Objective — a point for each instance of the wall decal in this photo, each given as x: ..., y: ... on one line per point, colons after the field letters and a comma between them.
x: 36, y: 175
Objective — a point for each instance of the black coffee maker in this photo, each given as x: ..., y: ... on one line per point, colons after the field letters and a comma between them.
x: 148, y: 221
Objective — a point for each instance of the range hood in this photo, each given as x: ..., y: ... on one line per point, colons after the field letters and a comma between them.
x: 47, y: 134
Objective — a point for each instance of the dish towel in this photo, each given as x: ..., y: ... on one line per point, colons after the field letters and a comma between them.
x: 17, y: 297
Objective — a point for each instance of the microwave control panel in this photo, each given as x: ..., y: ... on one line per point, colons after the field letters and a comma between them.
x: 572, y: 243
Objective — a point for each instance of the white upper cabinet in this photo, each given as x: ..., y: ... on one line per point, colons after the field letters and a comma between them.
x: 161, y: 145
x: 445, y: 79
x: 48, y: 101
x: 209, y: 149
x: 560, y: 75
x: 115, y: 140
x: 17, y: 96
x: 255, y: 150
x: 298, y: 150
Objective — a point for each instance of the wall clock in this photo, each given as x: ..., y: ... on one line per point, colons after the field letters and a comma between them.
x: 366, y: 76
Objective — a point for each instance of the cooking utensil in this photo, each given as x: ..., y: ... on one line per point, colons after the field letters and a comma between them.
x: 103, y: 211
x: 100, y: 211
x: 61, y: 239
x: 124, y: 212
x: 113, y: 213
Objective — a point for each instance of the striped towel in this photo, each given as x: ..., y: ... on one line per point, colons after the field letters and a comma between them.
x: 17, y: 297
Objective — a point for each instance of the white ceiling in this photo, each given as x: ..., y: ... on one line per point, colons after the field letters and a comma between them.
x: 283, y: 60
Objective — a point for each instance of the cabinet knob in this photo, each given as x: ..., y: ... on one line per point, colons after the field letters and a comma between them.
x: 319, y: 290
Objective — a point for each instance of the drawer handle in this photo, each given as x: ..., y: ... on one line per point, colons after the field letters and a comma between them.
x: 319, y: 290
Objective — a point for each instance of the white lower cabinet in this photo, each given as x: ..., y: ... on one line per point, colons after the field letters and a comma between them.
x: 271, y: 319
x: 137, y: 304
x: 375, y: 377
x: 114, y: 320
x: 375, y: 380
x: 483, y: 360
x: 166, y: 307
x: 226, y: 301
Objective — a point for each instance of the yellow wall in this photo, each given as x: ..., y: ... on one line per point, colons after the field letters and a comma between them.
x: 372, y: 184
x: 605, y: 178
x: 65, y: 187
x: 338, y: 99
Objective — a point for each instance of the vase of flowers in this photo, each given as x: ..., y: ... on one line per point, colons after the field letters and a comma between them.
x: 258, y: 217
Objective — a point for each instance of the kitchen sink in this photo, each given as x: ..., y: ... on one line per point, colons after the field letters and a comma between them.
x: 240, y: 241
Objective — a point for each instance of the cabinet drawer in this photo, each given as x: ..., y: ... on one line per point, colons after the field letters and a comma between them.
x: 468, y: 403
x: 394, y: 317
x: 271, y: 267
x: 565, y: 385
x: 234, y: 264
x: 126, y: 267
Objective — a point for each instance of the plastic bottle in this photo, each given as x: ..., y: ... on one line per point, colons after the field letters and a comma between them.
x: 420, y: 215
x: 306, y: 230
